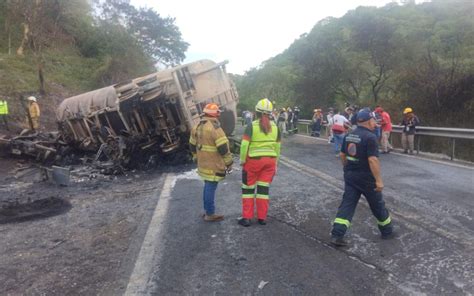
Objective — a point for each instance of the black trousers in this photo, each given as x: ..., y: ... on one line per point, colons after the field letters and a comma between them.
x: 5, y: 122
x: 357, y: 184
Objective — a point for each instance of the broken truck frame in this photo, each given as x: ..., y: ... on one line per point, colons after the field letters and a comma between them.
x: 146, y: 116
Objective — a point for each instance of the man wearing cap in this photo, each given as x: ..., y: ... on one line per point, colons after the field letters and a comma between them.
x: 359, y: 156
x: 410, y: 122
x: 34, y: 111
x: 210, y: 147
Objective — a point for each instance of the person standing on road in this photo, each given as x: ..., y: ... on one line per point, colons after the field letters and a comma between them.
x: 340, y: 124
x: 329, y: 120
x: 359, y: 156
x: 259, y: 153
x: 409, y: 123
x: 4, y: 112
x: 248, y: 117
x: 296, y: 117
x: 210, y: 146
x: 386, y: 128
x: 282, y: 119
x: 289, y: 121
x: 317, y: 123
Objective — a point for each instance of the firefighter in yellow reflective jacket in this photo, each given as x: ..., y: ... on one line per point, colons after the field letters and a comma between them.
x: 34, y: 110
x: 4, y: 112
x: 259, y: 153
x: 210, y: 147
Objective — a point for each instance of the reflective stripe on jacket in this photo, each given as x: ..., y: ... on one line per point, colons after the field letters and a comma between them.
x: 210, y: 146
x: 256, y: 143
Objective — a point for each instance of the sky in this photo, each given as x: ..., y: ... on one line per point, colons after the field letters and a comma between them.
x: 247, y: 32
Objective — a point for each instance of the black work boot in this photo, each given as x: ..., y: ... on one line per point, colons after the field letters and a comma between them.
x: 339, y: 241
x: 244, y: 222
x: 262, y: 222
x: 390, y: 235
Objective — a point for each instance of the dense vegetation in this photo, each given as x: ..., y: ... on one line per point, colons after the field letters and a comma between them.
x: 79, y: 45
x: 420, y: 56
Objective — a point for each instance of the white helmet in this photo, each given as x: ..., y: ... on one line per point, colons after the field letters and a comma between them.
x: 31, y: 98
x: 264, y: 106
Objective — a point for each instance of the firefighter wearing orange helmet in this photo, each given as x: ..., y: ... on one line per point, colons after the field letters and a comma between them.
x: 210, y: 147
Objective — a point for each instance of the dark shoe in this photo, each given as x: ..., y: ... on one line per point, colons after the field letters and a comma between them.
x: 339, y: 241
x: 213, y: 218
x: 391, y: 235
x: 405, y: 152
x: 244, y: 222
x: 262, y: 222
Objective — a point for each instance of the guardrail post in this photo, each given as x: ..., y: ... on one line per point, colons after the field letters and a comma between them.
x: 417, y: 144
x: 453, y: 140
x: 307, y: 129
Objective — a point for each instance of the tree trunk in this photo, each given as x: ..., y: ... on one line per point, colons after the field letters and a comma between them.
x: 41, y: 77
x: 26, y: 32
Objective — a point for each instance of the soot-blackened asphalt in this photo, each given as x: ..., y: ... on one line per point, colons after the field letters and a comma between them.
x: 431, y: 204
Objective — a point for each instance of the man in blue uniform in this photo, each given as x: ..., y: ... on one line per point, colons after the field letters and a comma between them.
x: 359, y: 155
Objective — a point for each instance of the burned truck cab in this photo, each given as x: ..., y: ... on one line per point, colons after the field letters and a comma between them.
x: 150, y: 115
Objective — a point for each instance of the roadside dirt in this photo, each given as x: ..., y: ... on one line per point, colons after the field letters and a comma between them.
x: 79, y: 239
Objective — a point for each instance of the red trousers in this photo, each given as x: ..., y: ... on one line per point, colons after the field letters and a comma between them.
x: 257, y: 175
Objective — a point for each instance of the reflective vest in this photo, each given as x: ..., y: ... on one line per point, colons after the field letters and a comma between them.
x: 3, y: 107
x: 261, y: 144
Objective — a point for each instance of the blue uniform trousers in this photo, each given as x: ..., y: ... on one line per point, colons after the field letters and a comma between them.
x: 209, y: 194
x: 357, y: 183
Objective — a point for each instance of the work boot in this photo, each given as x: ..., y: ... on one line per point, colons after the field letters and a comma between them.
x: 390, y: 235
x: 244, y: 222
x: 339, y: 241
x: 213, y: 218
x: 262, y: 222
x: 405, y: 151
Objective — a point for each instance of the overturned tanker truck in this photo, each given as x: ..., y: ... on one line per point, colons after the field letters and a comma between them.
x: 144, y: 118
x: 147, y: 116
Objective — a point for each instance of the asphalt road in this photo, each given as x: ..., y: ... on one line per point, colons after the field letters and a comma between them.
x: 431, y: 204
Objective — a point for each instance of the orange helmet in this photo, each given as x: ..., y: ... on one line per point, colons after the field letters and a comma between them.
x: 212, y: 109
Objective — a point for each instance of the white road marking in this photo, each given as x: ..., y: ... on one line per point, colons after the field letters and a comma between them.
x: 150, y: 251
x: 457, y: 165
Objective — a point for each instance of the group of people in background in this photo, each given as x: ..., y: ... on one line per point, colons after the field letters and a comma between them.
x: 33, y: 113
x: 340, y: 123
x: 287, y: 120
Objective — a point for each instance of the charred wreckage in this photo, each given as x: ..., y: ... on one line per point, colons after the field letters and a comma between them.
x: 134, y: 122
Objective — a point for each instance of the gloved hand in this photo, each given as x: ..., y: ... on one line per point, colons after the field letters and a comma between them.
x: 228, y: 169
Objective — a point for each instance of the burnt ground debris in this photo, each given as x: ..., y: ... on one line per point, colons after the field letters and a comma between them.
x: 71, y: 240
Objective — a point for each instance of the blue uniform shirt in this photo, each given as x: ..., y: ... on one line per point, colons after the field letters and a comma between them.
x: 358, y: 146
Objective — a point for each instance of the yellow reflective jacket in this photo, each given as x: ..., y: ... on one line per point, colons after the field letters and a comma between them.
x: 255, y: 143
x: 210, y: 146
x: 3, y: 107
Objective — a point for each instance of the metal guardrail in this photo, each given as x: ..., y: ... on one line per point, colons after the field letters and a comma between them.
x: 444, y: 132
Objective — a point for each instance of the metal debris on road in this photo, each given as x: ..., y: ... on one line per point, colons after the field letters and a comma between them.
x: 262, y: 284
